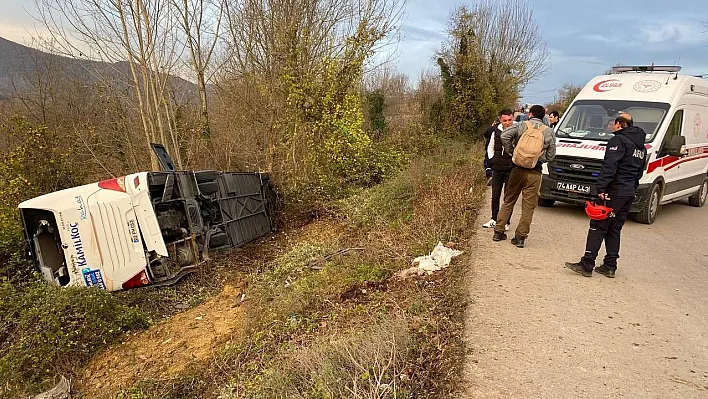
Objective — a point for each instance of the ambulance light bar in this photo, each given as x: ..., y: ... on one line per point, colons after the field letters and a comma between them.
x: 645, y: 68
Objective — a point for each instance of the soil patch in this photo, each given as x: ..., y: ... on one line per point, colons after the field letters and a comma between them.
x: 168, y: 348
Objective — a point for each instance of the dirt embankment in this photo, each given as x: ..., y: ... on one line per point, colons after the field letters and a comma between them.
x: 168, y: 348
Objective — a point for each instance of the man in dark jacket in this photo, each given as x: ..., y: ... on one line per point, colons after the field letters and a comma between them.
x: 524, y: 181
x: 553, y: 118
x: 621, y: 171
x: 487, y: 163
x: 500, y: 163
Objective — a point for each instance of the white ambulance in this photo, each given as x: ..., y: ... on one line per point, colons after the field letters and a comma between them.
x: 673, y: 111
x: 148, y: 228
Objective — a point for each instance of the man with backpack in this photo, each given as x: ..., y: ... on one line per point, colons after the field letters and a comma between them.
x: 532, y: 143
x: 620, y: 173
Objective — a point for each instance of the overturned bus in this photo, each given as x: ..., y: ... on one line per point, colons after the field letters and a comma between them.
x: 147, y: 228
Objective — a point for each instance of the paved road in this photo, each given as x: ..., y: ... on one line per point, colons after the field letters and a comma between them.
x: 537, y: 330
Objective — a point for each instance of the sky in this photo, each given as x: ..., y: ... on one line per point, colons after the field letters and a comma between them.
x: 584, y: 37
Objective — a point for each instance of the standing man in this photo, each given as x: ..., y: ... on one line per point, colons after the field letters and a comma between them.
x: 621, y: 170
x: 553, y: 118
x: 525, y: 179
x: 487, y: 164
x: 500, y: 163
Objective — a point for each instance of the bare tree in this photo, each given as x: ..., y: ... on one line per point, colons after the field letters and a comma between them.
x: 566, y: 95
x: 510, y: 40
x: 137, y: 32
x: 282, y: 48
x: 494, y: 50
x: 37, y: 86
x: 201, y: 23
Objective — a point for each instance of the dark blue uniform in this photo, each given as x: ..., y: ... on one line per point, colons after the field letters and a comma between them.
x: 622, y: 168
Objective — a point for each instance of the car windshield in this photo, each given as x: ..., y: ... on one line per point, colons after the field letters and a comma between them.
x: 593, y: 119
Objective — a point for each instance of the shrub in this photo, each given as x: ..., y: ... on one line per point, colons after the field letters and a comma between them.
x: 36, y: 162
x: 389, y: 202
x: 47, y: 330
x: 366, y: 364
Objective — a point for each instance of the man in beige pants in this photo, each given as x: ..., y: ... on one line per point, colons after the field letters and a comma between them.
x: 524, y: 181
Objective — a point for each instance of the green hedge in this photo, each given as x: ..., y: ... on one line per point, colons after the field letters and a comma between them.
x: 47, y: 330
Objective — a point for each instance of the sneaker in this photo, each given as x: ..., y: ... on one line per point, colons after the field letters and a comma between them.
x: 578, y: 268
x: 518, y: 241
x: 507, y: 227
x: 490, y: 223
x: 605, y: 271
x: 499, y: 236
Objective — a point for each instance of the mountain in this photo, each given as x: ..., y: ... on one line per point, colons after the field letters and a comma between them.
x: 22, y: 66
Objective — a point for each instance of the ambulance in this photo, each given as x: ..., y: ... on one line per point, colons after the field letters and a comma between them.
x: 146, y: 228
x: 673, y: 111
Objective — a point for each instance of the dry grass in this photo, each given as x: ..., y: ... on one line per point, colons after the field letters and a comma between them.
x: 360, y: 365
x: 347, y: 329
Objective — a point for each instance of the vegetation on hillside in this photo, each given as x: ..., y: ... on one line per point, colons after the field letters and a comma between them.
x: 354, y: 148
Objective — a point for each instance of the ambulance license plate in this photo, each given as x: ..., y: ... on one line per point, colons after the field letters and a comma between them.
x: 573, y: 187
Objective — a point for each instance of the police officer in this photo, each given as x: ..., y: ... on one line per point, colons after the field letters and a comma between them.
x: 621, y: 170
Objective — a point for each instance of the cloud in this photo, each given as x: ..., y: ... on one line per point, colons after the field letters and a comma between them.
x: 417, y: 57
x: 416, y: 34
x: 597, y: 37
x: 21, y: 34
x: 672, y: 32
x: 652, y: 35
x: 559, y: 57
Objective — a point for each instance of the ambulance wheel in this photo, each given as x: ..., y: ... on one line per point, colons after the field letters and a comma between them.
x: 546, y: 202
x: 651, y: 207
x: 699, y: 199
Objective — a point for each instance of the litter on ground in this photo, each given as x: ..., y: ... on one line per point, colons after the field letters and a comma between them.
x: 437, y: 260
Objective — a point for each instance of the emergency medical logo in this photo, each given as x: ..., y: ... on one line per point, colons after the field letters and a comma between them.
x: 607, y: 85
x: 697, y: 125
x: 647, y: 86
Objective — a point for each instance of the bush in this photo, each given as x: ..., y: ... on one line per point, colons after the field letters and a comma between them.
x: 36, y: 162
x: 18, y: 270
x: 409, y: 198
x: 292, y: 290
x: 389, y: 202
x: 11, y: 231
x: 47, y: 330
x: 367, y: 364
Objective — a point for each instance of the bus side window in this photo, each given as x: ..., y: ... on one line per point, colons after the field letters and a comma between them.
x: 673, y: 130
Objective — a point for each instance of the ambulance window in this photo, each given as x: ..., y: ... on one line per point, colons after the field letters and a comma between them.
x: 673, y: 130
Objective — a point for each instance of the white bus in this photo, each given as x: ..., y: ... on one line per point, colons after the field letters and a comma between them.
x: 144, y: 228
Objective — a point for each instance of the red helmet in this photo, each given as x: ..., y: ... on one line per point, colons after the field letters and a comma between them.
x: 598, y: 212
